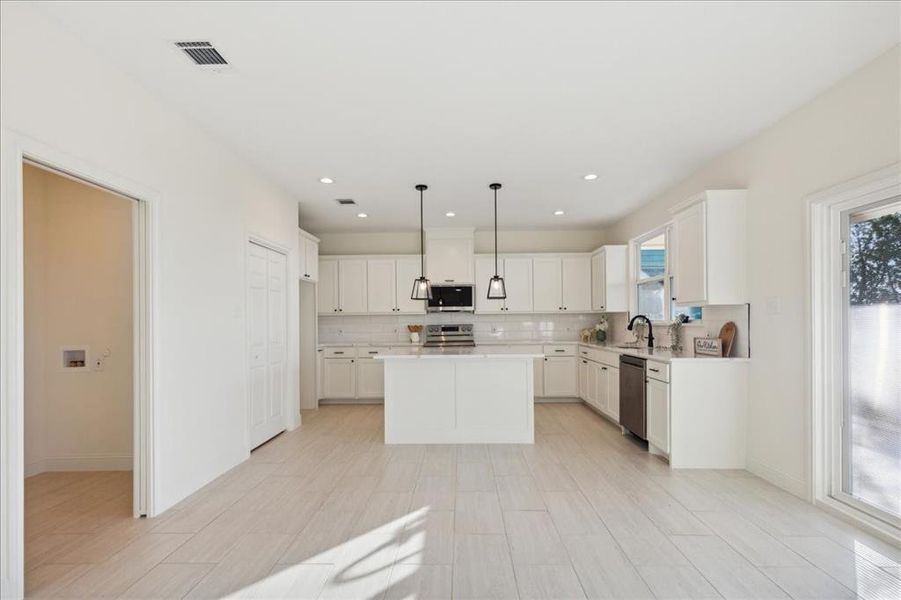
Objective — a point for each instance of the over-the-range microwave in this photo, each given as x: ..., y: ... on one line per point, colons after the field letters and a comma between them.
x: 452, y: 297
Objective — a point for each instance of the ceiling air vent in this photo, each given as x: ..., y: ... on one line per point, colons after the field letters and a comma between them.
x: 202, y: 53
x: 345, y: 201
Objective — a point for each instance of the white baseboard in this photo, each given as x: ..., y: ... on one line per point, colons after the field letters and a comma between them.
x: 789, y: 483
x: 101, y: 462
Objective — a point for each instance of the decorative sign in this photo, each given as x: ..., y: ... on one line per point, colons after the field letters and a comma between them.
x: 707, y: 346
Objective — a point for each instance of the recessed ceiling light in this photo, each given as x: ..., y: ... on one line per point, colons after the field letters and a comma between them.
x: 362, y: 215
x: 590, y: 177
x: 558, y: 213
x: 326, y: 180
x: 450, y: 214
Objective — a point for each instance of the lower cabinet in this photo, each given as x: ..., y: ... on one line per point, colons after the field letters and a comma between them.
x: 339, y: 378
x: 599, y: 381
x: 658, y: 414
x: 584, y: 366
x: 613, y: 393
x: 370, y: 378
x: 561, y: 377
x: 538, y: 377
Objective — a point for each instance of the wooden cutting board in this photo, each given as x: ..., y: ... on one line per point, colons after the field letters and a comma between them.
x: 727, y: 335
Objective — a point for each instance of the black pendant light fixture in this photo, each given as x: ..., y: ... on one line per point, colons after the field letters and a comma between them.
x: 496, y: 288
x: 422, y: 289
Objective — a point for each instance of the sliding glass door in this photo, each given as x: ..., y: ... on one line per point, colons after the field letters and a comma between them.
x: 870, y: 424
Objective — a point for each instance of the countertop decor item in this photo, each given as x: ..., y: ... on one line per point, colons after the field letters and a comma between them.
x: 727, y: 335
x: 708, y: 346
x: 675, y: 334
x: 414, y: 332
x: 600, y: 329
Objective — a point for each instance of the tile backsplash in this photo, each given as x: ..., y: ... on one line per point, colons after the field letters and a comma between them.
x: 388, y: 329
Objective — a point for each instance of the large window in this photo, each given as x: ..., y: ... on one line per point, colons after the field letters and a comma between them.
x: 654, y: 283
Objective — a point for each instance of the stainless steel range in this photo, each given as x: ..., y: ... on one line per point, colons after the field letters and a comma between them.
x: 446, y: 336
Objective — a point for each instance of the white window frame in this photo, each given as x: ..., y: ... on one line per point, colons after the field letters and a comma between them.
x: 827, y: 211
x: 635, y: 269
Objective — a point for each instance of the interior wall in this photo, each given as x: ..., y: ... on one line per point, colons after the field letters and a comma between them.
x: 78, y: 282
x: 207, y: 202
x: 406, y: 242
x: 850, y: 130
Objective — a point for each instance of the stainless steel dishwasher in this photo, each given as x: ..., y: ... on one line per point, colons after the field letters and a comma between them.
x: 632, y: 401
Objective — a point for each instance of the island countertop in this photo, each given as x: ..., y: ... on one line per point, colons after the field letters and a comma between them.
x: 458, y: 353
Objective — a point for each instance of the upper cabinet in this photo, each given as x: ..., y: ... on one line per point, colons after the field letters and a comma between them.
x: 308, y: 260
x: 389, y: 284
x: 609, y: 272
x: 449, y: 255
x: 517, y: 274
x: 709, y: 239
x: 342, y: 286
x: 561, y: 283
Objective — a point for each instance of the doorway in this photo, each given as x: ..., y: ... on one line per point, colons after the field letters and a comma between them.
x: 855, y: 309
x: 267, y: 346
x: 79, y: 345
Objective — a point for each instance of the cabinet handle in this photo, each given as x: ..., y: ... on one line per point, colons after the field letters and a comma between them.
x: 373, y: 351
x: 565, y: 308
x: 337, y: 352
x: 584, y: 362
x: 603, y: 368
x: 559, y: 350
x: 545, y: 359
x: 351, y: 360
x: 654, y: 370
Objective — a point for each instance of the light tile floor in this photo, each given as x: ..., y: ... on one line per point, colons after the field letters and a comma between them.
x: 328, y: 511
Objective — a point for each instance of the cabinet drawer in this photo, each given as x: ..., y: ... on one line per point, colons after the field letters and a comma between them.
x: 658, y: 371
x: 611, y: 359
x: 560, y: 349
x: 371, y: 351
x: 340, y: 352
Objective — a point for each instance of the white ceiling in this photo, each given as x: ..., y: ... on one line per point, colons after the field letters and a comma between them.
x: 380, y: 96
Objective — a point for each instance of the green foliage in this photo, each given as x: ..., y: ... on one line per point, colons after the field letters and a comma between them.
x: 875, y: 260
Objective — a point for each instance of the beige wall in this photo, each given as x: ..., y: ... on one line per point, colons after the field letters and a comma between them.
x: 850, y: 130
x: 78, y: 291
x: 406, y: 242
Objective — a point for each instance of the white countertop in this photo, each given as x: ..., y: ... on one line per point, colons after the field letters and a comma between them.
x: 458, y: 353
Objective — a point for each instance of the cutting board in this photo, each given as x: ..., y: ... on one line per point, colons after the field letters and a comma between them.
x: 727, y: 335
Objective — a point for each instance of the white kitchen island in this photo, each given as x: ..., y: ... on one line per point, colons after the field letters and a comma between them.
x: 459, y: 396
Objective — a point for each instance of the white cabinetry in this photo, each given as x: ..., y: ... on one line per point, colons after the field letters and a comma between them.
x: 338, y: 378
x: 600, y: 388
x: 342, y: 286
x: 658, y: 414
x: 370, y: 376
x: 709, y: 242
x: 609, y: 291
x: 449, y: 255
x: 547, y: 284
x: 613, y: 393
x: 561, y: 371
x: 388, y: 285
x: 517, y: 274
x: 561, y: 283
x: 583, y: 379
x: 308, y: 260
x: 576, y: 283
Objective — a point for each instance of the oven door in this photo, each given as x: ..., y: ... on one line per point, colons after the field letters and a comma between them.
x: 451, y: 298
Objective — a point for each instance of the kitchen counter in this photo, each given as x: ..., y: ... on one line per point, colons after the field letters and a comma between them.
x: 471, y: 352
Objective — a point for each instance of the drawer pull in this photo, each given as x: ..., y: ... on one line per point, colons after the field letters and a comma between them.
x: 654, y: 370
x: 584, y: 362
x: 559, y: 350
x: 338, y: 353
x: 373, y: 351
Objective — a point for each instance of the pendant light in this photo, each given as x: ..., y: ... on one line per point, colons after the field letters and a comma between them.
x: 496, y: 288
x: 422, y: 289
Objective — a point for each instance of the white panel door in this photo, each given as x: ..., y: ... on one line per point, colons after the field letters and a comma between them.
x: 327, y: 288
x: 591, y: 383
x: 546, y: 285
x: 576, y: 286
x: 518, y: 281
x: 406, y: 270
x: 561, y: 378
x: 380, y: 288
x: 370, y: 378
x: 352, y: 285
x: 689, y: 249
x: 602, y: 387
x: 598, y: 283
x: 484, y: 273
x: 583, y: 379
x: 613, y: 393
x: 338, y: 378
x: 266, y: 342
x: 658, y: 414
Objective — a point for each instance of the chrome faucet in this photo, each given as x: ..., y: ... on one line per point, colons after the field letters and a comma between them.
x: 650, y: 329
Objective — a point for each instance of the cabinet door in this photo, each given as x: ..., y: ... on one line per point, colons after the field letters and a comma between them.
x: 598, y: 285
x: 658, y: 414
x: 381, y: 286
x: 690, y: 254
x: 591, y: 384
x: 538, y: 377
x: 407, y: 269
x: 339, y: 378
x: 352, y: 286
x: 449, y: 260
x: 583, y: 379
x: 601, y: 388
x: 560, y: 377
x: 310, y: 259
x: 613, y: 393
x: 327, y: 289
x: 546, y: 285
x: 484, y: 273
x: 576, y: 283
x: 518, y: 281
x: 370, y: 378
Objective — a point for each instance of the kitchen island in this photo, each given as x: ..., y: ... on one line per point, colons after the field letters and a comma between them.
x: 459, y: 396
